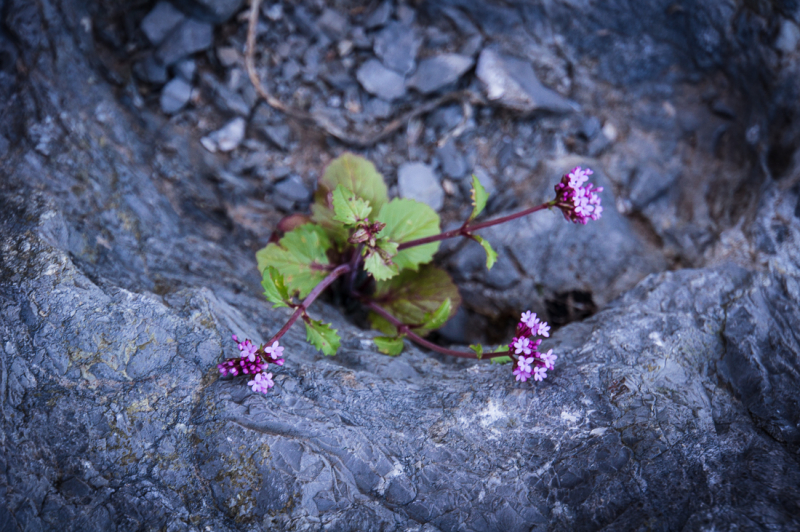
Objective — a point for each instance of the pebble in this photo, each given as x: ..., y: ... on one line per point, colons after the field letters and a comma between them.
x: 160, y: 22
x: 273, y: 12
x: 224, y: 98
x: 378, y: 108
x: 227, y: 138
x: 419, y: 182
x: 175, y: 95
x: 788, y: 37
x: 397, y: 45
x: 380, y: 16
x: 454, y: 165
x: 278, y: 135
x: 228, y: 56
x: 293, y: 189
x: 512, y: 83
x: 437, y: 72
x: 333, y: 24
x: 151, y: 70
x: 382, y: 82
x: 189, y: 37
x: 186, y: 69
x: 215, y: 11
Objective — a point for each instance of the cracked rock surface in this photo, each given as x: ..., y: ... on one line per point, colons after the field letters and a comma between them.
x: 126, y: 262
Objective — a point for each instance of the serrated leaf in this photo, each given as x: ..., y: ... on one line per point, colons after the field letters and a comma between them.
x: 411, y: 295
x: 407, y: 220
x: 380, y: 267
x: 501, y: 360
x: 299, y: 257
x: 349, y: 208
x: 437, y: 318
x: 479, y: 197
x: 491, y: 254
x: 478, y: 348
x: 379, y: 323
x: 275, y: 288
x: 360, y: 177
x: 322, y: 336
x: 389, y: 346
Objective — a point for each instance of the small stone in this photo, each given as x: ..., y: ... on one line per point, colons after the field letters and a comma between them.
x: 151, y: 70
x: 333, y: 24
x: 186, y: 69
x: 437, y: 72
x: 788, y: 37
x: 419, y: 182
x: 454, y: 165
x: 224, y: 98
x: 4, y: 145
x: 513, y: 83
x: 160, y: 22
x: 382, y: 82
x: 360, y: 39
x: 378, y: 108
x: 397, y: 45
x: 214, y: 11
x: 344, y: 48
x: 189, y: 37
x: 293, y: 189
x: 445, y: 118
x: 175, y: 95
x: 227, y: 138
x: 278, y: 135
x: 380, y: 16
x: 273, y: 12
x: 228, y: 56
x: 290, y: 70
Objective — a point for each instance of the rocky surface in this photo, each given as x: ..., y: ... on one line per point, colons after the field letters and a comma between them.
x: 128, y: 230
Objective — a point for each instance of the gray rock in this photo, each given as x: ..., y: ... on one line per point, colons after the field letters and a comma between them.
x: 419, y: 182
x: 187, y: 38
x: 384, y: 83
x: 454, y: 165
x: 439, y: 71
x: 175, y: 95
x: 278, y: 135
x: 213, y: 11
x: 377, y: 108
x: 293, y: 189
x: 380, y: 16
x: 225, y: 98
x: 273, y: 12
x: 397, y: 45
x: 186, y: 69
x: 788, y: 37
x: 512, y: 83
x: 151, y: 70
x: 227, y: 138
x: 163, y: 18
x: 333, y: 23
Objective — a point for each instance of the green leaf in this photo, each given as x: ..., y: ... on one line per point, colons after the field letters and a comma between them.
x: 379, y: 266
x: 348, y: 207
x: 322, y: 336
x: 389, y: 346
x: 275, y: 288
x: 501, y: 360
x: 360, y: 177
x: 481, y: 351
x: 379, y: 323
x: 491, y: 254
x: 299, y: 257
x: 406, y: 220
x: 479, y: 197
x: 478, y: 348
x: 411, y: 295
x: 437, y: 318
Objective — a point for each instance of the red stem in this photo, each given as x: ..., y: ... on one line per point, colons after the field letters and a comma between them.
x: 403, y: 328
x: 466, y: 229
x: 314, y: 294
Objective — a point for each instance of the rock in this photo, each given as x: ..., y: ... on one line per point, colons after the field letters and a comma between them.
x: 788, y: 37
x: 512, y: 83
x: 225, y: 98
x: 213, y: 11
x: 380, y: 81
x: 293, y: 189
x: 439, y: 71
x: 228, y: 56
x: 175, y: 95
x: 161, y: 20
x: 273, y: 12
x: 397, y: 45
x: 380, y: 16
x: 419, y: 182
x: 333, y: 24
x: 150, y: 70
x: 187, y: 38
x: 186, y: 69
x: 278, y: 135
x: 227, y: 138
x: 377, y: 108
x: 454, y: 165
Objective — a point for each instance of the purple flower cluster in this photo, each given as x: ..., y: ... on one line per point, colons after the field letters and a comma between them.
x: 530, y: 362
x: 578, y: 201
x: 254, y: 361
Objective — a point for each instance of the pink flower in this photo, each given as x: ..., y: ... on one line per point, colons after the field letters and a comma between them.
x: 275, y: 351
x: 248, y: 350
x: 549, y: 359
x: 529, y: 319
x: 543, y: 329
x: 522, y: 346
x: 578, y: 202
x: 261, y: 383
x: 522, y: 375
x: 525, y: 363
x: 539, y: 373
